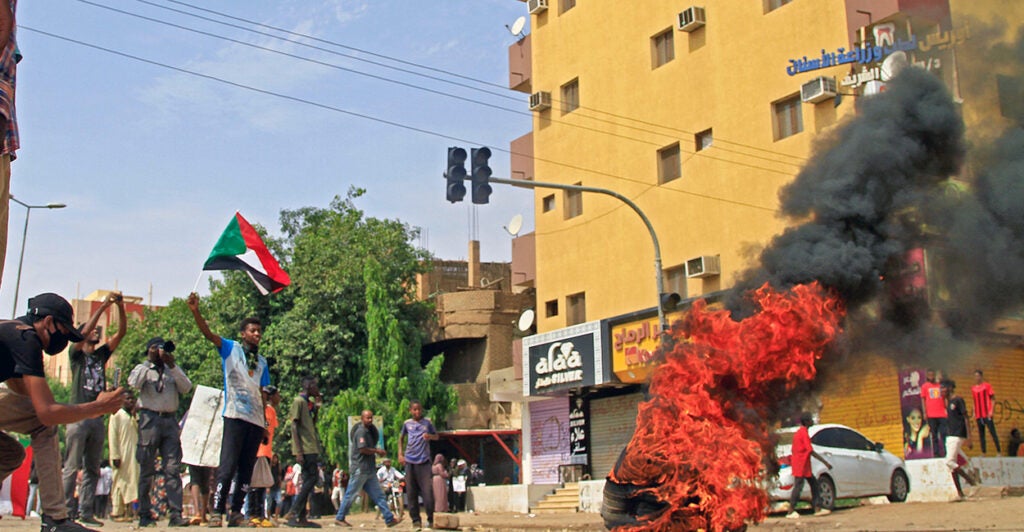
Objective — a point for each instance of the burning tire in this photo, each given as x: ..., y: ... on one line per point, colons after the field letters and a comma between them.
x: 899, y: 487
x: 623, y: 505
x: 827, y: 492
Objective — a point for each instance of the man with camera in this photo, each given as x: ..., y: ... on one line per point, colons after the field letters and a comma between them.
x: 84, y: 440
x: 160, y: 383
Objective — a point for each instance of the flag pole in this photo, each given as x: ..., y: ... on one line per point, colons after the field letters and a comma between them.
x: 196, y: 286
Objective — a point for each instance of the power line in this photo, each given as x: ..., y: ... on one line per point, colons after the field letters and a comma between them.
x: 414, y: 86
x: 369, y: 117
x: 442, y: 71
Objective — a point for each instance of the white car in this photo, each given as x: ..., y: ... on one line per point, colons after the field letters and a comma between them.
x: 860, y: 467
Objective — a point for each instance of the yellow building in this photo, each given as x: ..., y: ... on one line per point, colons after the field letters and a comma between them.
x: 699, y: 112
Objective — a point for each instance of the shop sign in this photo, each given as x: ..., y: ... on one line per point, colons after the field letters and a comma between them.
x: 579, y: 430
x: 633, y: 347
x: 563, y: 359
x: 886, y: 44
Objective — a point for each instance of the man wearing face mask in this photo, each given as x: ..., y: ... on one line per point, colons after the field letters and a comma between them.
x: 160, y: 383
x: 27, y: 405
x: 84, y: 440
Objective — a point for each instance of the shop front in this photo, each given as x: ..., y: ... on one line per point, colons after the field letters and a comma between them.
x: 556, y: 365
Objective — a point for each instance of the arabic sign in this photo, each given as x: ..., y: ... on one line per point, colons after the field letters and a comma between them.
x: 633, y: 347
x: 886, y: 44
x: 579, y: 429
x: 563, y: 359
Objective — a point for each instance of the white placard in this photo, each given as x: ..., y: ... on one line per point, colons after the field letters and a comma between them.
x: 204, y: 428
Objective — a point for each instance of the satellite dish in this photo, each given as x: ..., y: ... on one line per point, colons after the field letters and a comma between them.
x: 893, y: 64
x: 517, y: 27
x: 515, y: 225
x: 526, y: 320
x: 484, y: 281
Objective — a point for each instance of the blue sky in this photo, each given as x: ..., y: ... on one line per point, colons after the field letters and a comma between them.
x: 153, y: 162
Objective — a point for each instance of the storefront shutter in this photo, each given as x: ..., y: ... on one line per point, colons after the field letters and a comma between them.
x: 612, y: 421
x: 549, y: 439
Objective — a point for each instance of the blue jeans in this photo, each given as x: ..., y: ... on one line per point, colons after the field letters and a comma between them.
x: 366, y: 481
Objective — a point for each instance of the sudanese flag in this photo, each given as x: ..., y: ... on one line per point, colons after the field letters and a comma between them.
x: 241, y: 248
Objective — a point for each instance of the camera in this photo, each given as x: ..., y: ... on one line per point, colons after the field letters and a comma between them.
x: 169, y: 346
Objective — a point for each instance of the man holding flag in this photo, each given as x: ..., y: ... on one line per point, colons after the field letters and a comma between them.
x: 245, y: 373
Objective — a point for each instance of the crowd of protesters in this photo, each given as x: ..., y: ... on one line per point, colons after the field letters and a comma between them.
x: 145, y: 479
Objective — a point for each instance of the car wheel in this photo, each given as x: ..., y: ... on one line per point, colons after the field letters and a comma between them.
x: 899, y: 486
x: 827, y: 492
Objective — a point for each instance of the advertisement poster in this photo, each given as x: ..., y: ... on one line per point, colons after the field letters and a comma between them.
x: 917, y: 443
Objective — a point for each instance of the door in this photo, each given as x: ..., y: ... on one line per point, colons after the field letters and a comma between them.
x: 829, y: 443
x: 872, y: 469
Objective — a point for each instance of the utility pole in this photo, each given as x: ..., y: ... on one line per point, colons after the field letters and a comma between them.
x: 455, y: 173
x: 664, y: 300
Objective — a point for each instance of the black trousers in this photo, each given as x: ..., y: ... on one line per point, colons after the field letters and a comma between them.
x: 798, y: 486
x: 310, y: 475
x: 237, y: 458
x: 987, y: 422
x: 158, y: 434
x: 419, y: 482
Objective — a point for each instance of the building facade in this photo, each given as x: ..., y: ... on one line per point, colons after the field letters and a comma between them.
x: 700, y: 113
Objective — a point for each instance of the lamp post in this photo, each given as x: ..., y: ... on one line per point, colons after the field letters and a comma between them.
x: 24, y: 234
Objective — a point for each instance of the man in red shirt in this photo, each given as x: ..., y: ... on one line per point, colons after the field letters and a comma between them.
x: 984, y: 400
x: 934, y: 407
x: 801, y: 464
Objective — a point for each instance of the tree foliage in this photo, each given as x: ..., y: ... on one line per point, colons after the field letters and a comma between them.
x: 350, y: 298
x: 393, y: 375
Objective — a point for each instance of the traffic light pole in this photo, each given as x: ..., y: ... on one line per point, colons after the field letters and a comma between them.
x: 650, y: 228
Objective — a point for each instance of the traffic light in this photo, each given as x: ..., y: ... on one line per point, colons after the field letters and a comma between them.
x: 455, y: 174
x: 481, y: 175
x: 669, y: 301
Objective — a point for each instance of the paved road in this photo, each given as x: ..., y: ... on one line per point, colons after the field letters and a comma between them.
x: 987, y: 511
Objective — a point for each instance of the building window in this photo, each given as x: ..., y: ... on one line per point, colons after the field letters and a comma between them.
x: 702, y: 140
x: 669, y: 167
x: 570, y: 96
x: 573, y: 203
x: 551, y: 308
x: 548, y: 203
x: 788, y: 117
x: 663, y: 48
x: 565, y: 5
x: 772, y: 5
x: 674, y: 279
x: 576, y: 309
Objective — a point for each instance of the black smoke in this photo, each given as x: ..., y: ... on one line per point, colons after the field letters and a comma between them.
x: 854, y: 190
x: 879, y: 186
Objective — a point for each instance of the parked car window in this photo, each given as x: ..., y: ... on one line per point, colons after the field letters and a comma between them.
x: 827, y: 438
x: 853, y: 440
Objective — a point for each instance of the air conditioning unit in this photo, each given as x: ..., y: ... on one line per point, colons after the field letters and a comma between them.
x: 818, y: 89
x: 540, y: 101
x: 536, y: 6
x: 691, y: 18
x: 703, y: 266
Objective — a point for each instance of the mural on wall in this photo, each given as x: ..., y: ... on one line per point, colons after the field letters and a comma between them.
x: 917, y: 441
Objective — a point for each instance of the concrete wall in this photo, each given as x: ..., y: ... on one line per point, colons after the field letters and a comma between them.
x: 930, y: 480
x: 591, y: 495
x: 507, y: 497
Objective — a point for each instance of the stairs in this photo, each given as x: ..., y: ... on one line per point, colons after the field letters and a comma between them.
x: 564, y: 500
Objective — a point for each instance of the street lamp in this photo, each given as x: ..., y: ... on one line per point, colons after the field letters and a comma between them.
x: 24, y: 234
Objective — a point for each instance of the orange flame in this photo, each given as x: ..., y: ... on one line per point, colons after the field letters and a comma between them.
x: 701, y: 438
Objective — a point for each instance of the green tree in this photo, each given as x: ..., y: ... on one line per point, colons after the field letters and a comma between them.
x: 393, y: 375
x: 322, y: 323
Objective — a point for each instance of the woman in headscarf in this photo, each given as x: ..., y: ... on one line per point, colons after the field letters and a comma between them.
x: 440, y: 483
